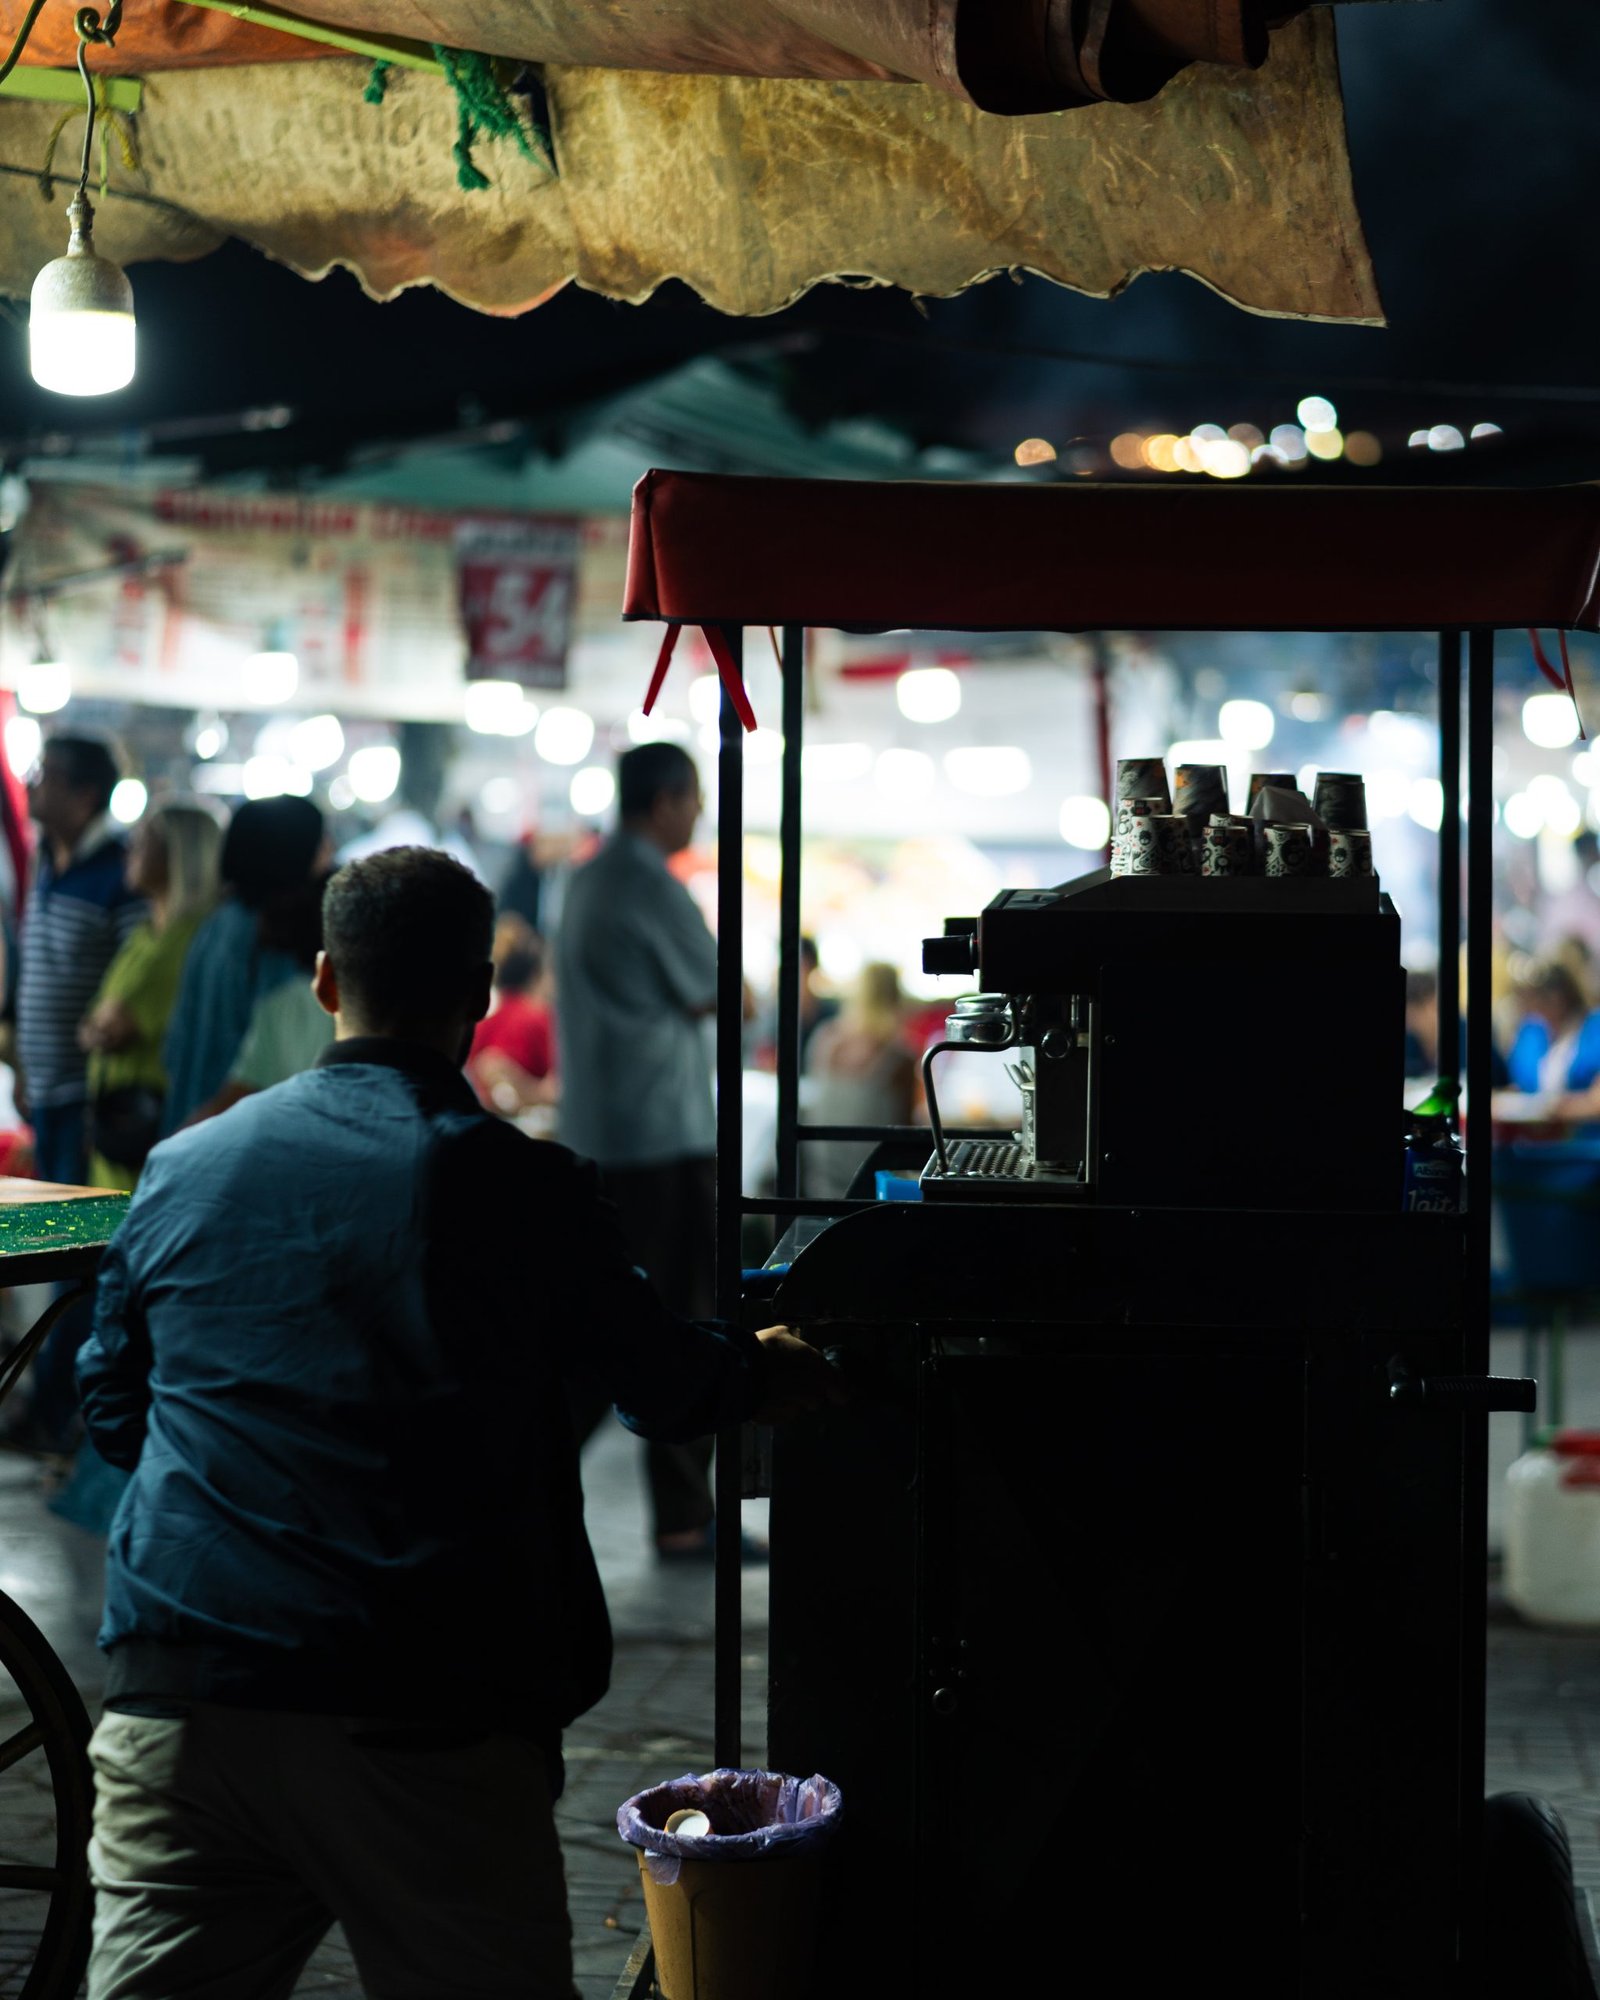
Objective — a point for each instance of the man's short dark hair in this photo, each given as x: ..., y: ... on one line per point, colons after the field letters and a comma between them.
x: 87, y: 763
x: 409, y: 932
x: 647, y: 771
x: 518, y: 968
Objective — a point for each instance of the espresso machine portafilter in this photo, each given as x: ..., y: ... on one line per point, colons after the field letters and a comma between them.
x: 1050, y: 1155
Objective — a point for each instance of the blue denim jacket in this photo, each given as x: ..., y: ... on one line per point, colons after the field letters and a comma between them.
x: 333, y: 1342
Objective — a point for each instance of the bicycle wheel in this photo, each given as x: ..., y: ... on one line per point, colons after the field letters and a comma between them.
x: 46, y: 1804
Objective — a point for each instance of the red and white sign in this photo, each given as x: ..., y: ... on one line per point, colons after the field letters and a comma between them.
x: 518, y: 580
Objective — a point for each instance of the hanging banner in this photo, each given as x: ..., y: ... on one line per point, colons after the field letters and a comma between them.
x: 166, y: 595
x: 518, y: 579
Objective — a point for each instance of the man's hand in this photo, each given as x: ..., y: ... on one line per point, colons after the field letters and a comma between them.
x: 798, y: 1379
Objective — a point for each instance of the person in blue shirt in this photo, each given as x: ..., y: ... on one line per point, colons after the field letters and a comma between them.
x: 1556, y: 1050
x: 350, y: 1603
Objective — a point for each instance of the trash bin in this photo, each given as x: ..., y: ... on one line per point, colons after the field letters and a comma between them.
x: 733, y: 1910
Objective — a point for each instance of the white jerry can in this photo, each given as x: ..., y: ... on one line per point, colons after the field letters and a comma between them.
x: 1552, y: 1555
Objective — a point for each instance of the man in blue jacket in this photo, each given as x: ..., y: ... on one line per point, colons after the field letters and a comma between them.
x: 350, y: 1603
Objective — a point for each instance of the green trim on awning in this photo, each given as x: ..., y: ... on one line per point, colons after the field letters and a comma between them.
x: 62, y: 86
x: 403, y: 54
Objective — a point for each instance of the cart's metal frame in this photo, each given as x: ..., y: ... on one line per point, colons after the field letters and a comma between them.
x: 734, y: 1205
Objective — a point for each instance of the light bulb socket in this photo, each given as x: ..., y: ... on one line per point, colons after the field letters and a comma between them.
x: 82, y: 281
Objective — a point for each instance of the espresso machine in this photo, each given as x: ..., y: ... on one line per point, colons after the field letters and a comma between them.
x: 1180, y: 1041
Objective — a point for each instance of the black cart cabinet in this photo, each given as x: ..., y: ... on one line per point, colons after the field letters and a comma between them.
x: 1125, y: 1600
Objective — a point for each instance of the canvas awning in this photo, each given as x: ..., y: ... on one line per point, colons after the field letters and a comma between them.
x: 712, y: 549
x: 751, y: 190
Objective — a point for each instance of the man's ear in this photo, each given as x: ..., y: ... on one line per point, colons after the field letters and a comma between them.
x: 325, y: 984
x: 482, y: 993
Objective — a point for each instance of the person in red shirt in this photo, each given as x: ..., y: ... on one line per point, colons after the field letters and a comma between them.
x: 511, y: 1062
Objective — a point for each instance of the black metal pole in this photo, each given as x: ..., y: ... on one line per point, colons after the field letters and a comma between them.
x: 728, y: 1607
x: 789, y: 968
x: 1480, y: 941
x: 1475, y: 1332
x: 1447, y: 1062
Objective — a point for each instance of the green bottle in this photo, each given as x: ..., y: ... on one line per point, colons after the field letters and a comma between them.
x: 1440, y: 1102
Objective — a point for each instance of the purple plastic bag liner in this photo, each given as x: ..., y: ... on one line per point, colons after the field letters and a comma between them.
x: 753, y: 1814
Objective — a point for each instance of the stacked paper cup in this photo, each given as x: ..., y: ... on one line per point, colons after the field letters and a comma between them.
x: 1137, y: 778
x: 1340, y: 800
x: 1135, y: 851
x: 1199, y: 791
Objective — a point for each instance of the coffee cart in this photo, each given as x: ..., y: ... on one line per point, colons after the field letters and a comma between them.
x: 1136, y: 1602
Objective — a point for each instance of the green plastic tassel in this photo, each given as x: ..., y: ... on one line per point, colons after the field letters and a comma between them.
x: 484, y: 109
x: 469, y: 174
x: 377, y: 82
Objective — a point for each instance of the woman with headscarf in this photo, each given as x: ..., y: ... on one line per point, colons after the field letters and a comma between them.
x: 272, y: 849
x: 172, y: 862
x: 288, y: 1029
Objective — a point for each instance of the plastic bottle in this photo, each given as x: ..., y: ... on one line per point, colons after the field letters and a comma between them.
x: 1552, y: 1553
x: 1433, y: 1155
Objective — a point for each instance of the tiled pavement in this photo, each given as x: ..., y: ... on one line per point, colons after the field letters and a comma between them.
x: 1544, y: 1689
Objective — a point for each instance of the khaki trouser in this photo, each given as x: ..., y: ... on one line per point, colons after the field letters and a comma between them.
x: 228, y: 1841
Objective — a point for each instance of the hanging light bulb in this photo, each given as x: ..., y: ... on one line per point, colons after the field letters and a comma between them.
x: 80, y: 316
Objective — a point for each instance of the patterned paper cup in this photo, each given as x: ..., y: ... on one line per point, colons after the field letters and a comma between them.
x: 1174, y: 850
x: 1134, y: 850
x: 1198, y: 791
x: 1144, y: 778
x: 1340, y: 799
x: 1288, y: 850
x: 1349, y: 851
x: 1228, y: 847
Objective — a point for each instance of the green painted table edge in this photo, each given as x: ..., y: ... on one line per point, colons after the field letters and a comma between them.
x: 59, y: 1237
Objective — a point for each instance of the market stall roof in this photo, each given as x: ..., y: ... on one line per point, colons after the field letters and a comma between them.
x: 868, y: 556
x: 749, y: 188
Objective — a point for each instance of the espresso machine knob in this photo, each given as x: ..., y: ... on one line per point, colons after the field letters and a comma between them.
x: 955, y: 954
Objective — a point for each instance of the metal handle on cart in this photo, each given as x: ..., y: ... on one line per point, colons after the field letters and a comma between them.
x: 1466, y: 1395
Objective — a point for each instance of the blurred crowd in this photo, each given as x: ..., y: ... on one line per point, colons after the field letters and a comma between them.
x: 1545, y: 996
x: 155, y: 977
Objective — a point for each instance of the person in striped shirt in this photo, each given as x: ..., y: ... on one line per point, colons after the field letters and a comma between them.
x: 80, y: 912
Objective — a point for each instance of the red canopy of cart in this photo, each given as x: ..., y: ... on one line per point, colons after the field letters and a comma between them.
x: 711, y: 549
